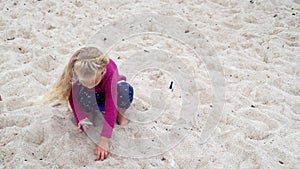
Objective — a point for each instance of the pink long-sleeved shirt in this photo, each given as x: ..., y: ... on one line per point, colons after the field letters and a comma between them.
x: 108, y: 85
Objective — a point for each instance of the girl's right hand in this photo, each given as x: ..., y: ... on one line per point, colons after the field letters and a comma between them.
x: 83, y: 127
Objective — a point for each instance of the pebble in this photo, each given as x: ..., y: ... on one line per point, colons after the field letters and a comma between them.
x: 53, y: 57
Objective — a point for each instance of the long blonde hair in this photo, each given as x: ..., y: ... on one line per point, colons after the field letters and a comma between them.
x: 87, y: 61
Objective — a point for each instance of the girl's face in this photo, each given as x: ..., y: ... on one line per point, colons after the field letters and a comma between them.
x: 92, y: 82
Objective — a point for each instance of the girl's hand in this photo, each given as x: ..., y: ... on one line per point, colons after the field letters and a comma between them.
x: 82, y: 126
x: 102, y: 149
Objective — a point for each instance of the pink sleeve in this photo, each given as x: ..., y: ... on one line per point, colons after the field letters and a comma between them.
x: 111, y: 112
x: 78, y: 111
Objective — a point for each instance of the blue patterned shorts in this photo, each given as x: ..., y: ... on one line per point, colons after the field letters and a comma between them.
x: 92, y: 101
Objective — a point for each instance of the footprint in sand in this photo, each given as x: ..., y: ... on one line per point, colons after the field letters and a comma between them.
x: 9, y: 121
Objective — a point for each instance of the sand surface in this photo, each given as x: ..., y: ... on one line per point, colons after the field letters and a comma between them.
x: 235, y: 67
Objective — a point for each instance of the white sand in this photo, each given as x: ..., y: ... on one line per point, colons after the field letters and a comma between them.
x: 257, y: 44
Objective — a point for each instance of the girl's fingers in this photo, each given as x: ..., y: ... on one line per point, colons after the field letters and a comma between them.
x: 106, y: 154
x: 102, y: 156
x: 97, y: 155
x: 79, y: 127
x: 86, y: 127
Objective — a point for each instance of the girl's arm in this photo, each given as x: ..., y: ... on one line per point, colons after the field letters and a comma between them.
x: 111, y: 112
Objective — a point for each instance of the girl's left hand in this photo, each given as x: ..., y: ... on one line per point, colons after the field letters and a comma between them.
x: 82, y: 126
x: 102, y: 149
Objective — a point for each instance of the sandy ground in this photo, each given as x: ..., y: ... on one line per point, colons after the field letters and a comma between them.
x: 256, y: 44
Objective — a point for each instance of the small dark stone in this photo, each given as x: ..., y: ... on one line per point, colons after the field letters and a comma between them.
x: 293, y: 14
x: 0, y: 98
x: 210, y: 105
x: 275, y: 15
x: 187, y: 31
x: 25, y: 160
x: 252, y: 106
x: 171, y: 85
x: 41, y: 159
x: 146, y: 50
x: 123, y: 39
x: 251, y: 1
x: 119, y: 57
x: 268, y: 47
x: 11, y: 38
x: 20, y: 49
x: 163, y: 159
x: 104, y: 39
x: 15, y: 3
x: 281, y: 162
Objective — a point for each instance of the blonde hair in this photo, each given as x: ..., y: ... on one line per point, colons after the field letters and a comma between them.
x: 86, y: 61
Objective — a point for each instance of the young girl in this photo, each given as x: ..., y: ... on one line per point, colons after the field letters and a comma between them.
x: 91, y: 82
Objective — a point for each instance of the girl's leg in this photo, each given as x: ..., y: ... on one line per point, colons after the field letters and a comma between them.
x: 122, y: 120
x: 125, y: 97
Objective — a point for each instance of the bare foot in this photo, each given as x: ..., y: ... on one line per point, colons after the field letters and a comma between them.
x: 121, y: 118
